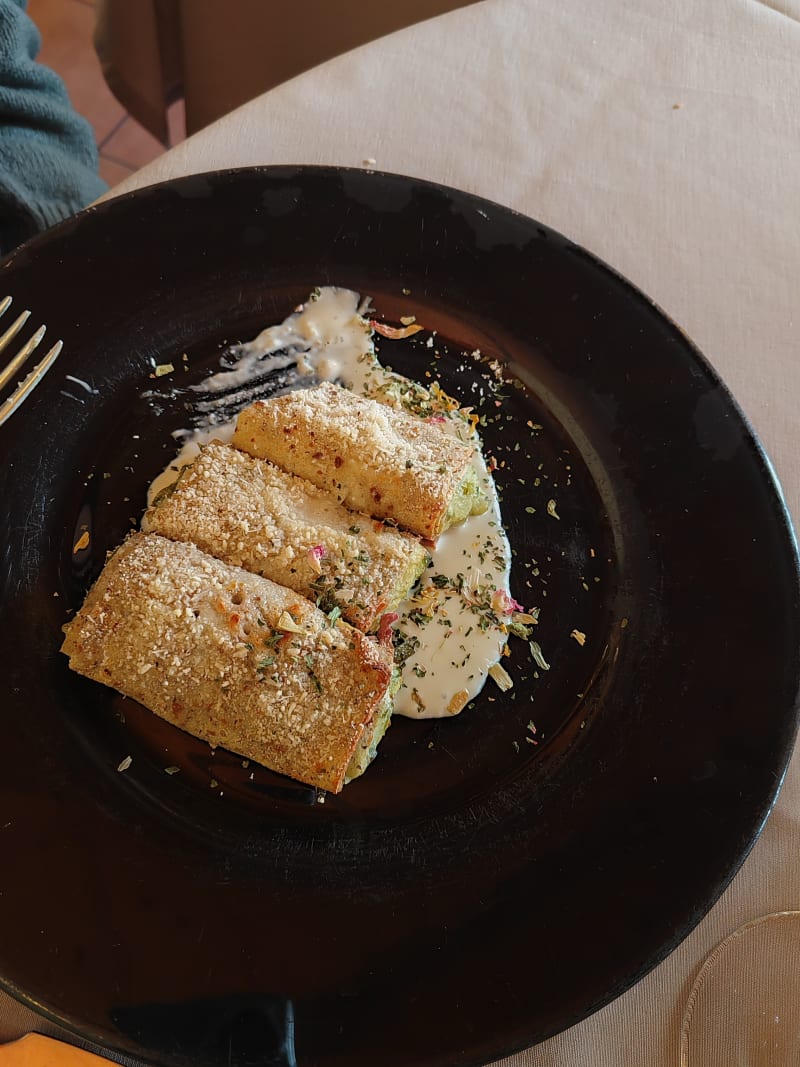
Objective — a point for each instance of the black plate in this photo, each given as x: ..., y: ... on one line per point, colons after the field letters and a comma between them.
x: 474, y: 892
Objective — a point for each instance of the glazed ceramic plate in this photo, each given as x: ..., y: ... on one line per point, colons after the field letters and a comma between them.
x: 495, y: 877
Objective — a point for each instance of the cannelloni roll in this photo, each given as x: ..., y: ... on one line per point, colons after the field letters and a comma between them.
x: 235, y: 659
x: 371, y: 457
x: 251, y: 514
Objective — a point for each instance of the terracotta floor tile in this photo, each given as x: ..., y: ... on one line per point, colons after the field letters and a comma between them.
x: 132, y: 145
x: 113, y: 172
x: 66, y: 27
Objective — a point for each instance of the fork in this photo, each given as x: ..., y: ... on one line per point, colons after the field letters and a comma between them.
x: 26, y: 387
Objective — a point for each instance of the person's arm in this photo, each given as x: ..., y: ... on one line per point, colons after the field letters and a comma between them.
x: 48, y: 157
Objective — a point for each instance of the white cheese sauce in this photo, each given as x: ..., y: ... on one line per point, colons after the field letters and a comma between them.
x: 454, y: 628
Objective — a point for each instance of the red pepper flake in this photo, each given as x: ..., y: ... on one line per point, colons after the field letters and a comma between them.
x: 507, y: 605
x: 315, y: 554
x: 385, y: 627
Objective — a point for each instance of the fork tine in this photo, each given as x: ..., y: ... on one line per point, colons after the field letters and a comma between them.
x: 14, y: 329
x: 8, y: 407
x: 9, y: 372
x: 5, y: 304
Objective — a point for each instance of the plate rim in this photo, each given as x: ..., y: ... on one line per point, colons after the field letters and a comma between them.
x: 755, y: 447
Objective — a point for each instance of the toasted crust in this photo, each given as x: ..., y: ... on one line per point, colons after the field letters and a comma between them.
x: 251, y: 514
x: 371, y: 457
x: 205, y: 646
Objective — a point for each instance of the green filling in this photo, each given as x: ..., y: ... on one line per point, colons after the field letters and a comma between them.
x: 371, y: 738
x: 416, y: 567
x: 468, y: 499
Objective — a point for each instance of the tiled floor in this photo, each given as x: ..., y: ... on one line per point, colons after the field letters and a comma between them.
x: 66, y: 27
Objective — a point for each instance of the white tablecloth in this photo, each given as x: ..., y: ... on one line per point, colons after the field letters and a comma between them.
x: 664, y: 138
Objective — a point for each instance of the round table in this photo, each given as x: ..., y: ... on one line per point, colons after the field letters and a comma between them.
x: 667, y: 141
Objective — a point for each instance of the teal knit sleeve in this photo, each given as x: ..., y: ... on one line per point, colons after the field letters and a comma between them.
x: 48, y: 157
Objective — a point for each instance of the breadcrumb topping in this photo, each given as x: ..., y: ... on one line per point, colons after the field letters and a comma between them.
x: 371, y: 457
x: 207, y: 647
x: 251, y: 514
